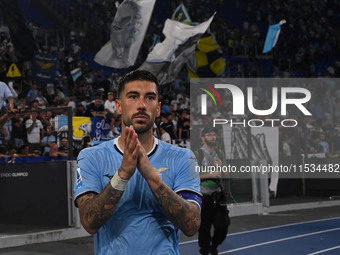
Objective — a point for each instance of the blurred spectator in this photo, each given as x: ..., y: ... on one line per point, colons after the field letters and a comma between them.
x: 168, y: 126
x: 110, y: 108
x: 165, y: 137
x: 47, y: 140
x: 22, y: 105
x: 32, y: 93
x: 5, y: 94
x: 324, y: 143
x: 18, y: 134
x: 336, y: 142
x: 286, y: 148
x: 44, y: 119
x: 42, y: 101
x: 63, y: 146
x: 24, y: 151
x: 166, y: 106
x: 86, y: 102
x: 4, y: 136
x: 72, y: 103
x: 54, y: 151
x: 96, y: 109
x: 183, y: 125
x: 34, y: 105
x: 59, y: 93
x: 80, y: 110
x: 35, y: 131
x: 105, y: 84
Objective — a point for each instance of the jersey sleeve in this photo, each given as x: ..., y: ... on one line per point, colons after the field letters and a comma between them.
x: 187, y: 181
x: 87, y: 176
x: 8, y: 93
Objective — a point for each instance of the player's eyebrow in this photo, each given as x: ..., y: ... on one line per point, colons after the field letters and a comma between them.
x: 133, y: 92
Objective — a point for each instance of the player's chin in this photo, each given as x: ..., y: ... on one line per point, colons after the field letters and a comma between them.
x: 141, y: 127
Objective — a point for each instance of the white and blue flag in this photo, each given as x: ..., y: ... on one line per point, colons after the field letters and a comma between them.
x: 76, y: 73
x: 168, y: 57
x: 181, y: 14
x: 272, y: 36
x: 127, y: 34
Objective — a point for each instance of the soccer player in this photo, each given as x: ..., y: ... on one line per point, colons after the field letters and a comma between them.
x: 135, y: 192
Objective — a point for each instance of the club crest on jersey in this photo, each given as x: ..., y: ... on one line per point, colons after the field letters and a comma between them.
x: 160, y: 170
x: 79, y: 179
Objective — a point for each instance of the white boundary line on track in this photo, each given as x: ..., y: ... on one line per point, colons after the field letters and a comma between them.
x: 280, y: 240
x: 260, y: 229
x: 322, y: 251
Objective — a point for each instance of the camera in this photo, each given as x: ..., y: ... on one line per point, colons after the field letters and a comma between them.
x: 219, y: 198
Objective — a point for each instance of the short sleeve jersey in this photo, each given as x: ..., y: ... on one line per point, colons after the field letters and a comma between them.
x: 4, y: 93
x: 138, y: 226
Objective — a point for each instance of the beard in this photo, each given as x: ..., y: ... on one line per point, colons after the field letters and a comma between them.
x: 210, y: 143
x: 140, y: 126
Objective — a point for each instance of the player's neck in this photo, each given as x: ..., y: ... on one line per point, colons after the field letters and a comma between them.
x: 146, y: 139
x: 208, y: 148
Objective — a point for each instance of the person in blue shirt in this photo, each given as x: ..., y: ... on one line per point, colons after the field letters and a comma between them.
x: 5, y: 93
x: 136, y: 192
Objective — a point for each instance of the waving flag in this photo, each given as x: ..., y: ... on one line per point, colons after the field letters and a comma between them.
x: 207, y: 60
x: 76, y: 73
x: 168, y: 57
x: 181, y: 14
x: 44, y: 67
x: 272, y: 36
x: 127, y: 34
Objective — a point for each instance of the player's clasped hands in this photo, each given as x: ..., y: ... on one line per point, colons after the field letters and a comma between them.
x: 144, y: 165
x: 134, y: 157
x: 131, y: 152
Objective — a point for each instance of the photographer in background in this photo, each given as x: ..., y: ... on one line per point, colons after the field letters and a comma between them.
x: 214, y: 208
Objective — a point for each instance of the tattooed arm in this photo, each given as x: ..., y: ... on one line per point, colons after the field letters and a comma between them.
x: 184, y: 214
x: 96, y: 209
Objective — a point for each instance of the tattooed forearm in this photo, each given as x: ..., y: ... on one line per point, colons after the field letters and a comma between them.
x: 184, y: 214
x: 96, y: 209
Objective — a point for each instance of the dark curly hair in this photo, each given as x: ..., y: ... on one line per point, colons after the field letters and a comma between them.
x: 137, y: 75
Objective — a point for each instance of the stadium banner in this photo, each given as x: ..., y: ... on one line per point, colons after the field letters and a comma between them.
x: 127, y: 34
x: 44, y: 67
x: 100, y: 129
x: 81, y: 131
x: 47, y: 201
x: 168, y: 57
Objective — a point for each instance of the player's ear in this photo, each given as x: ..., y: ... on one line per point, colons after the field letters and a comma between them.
x: 159, y: 109
x: 118, y: 106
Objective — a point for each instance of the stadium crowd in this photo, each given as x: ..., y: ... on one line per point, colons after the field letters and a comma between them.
x: 302, y: 52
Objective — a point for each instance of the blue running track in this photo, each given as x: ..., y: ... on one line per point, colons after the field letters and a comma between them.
x: 306, y: 238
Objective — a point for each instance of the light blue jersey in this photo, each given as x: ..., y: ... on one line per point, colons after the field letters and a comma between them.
x: 138, y: 226
x: 4, y: 93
